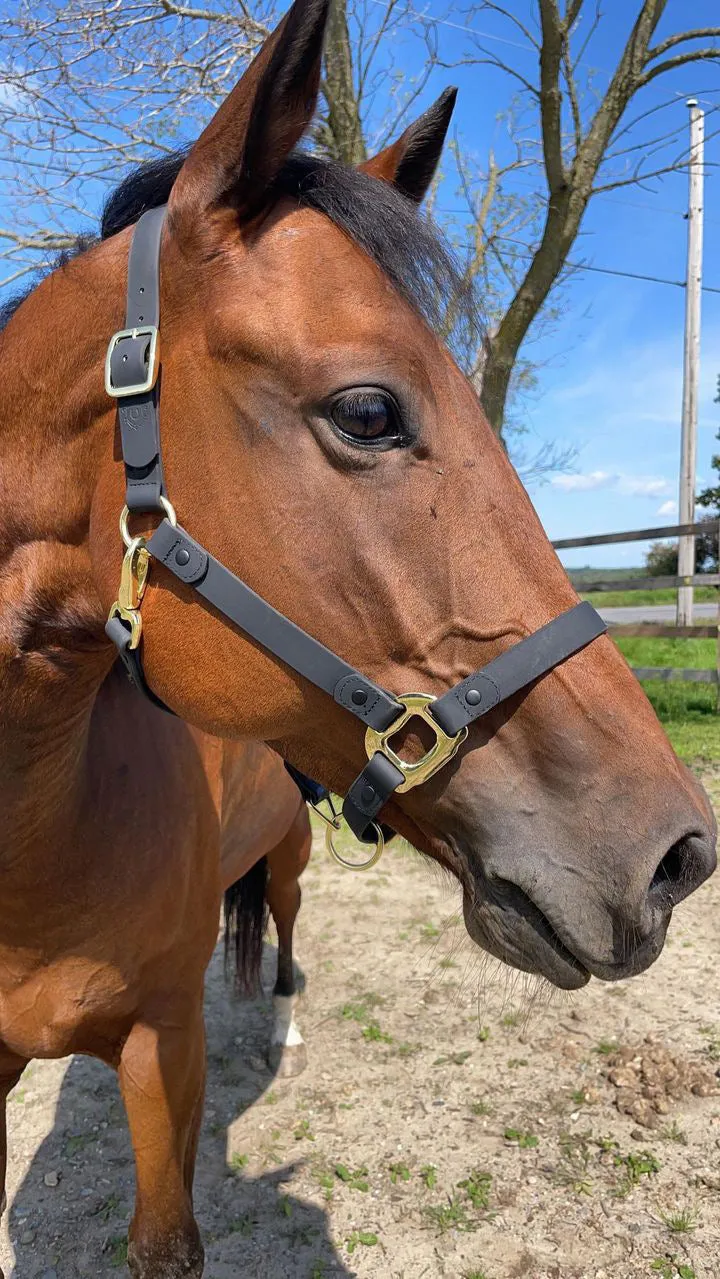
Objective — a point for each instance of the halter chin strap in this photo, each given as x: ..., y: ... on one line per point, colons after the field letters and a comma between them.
x: 132, y: 378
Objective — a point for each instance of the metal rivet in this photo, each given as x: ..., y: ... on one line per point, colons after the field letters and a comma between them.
x: 359, y: 697
x: 182, y: 557
x: 141, y: 318
x: 473, y: 697
x: 141, y: 289
x: 368, y: 794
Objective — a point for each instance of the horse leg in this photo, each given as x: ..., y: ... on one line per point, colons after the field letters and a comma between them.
x: 162, y: 1077
x: 286, y: 863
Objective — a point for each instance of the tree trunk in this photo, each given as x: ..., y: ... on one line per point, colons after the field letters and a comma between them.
x: 342, y: 132
x: 570, y: 187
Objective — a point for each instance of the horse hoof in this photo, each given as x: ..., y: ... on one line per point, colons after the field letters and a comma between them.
x: 287, y: 1060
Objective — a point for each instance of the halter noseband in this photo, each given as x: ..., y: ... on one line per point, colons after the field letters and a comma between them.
x: 131, y: 377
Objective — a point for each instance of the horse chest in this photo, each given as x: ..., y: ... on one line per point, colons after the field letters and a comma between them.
x: 70, y: 1005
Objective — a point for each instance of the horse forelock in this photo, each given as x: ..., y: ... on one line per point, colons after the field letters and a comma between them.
x: 382, y: 221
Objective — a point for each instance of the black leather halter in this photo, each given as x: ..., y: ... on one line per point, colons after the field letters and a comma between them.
x: 131, y: 377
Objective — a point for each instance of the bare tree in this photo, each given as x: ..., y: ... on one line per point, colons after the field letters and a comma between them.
x: 90, y: 87
x: 587, y: 141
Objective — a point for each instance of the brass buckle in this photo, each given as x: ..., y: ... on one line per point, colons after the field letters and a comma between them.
x: 416, y: 706
x: 131, y: 335
x: 133, y: 580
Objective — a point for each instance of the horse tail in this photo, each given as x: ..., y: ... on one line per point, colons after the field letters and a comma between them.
x: 246, y: 916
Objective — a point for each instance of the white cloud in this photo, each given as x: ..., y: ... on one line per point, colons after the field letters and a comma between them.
x: 668, y: 508
x: 581, y: 483
x: 642, y: 486
x: 618, y: 481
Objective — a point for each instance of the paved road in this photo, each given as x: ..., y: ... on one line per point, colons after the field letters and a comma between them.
x: 656, y: 613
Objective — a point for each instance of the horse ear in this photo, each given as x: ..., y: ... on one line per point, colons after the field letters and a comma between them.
x: 410, y: 163
x: 240, y: 153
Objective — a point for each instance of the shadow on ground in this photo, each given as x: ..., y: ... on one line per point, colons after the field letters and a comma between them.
x: 69, y: 1216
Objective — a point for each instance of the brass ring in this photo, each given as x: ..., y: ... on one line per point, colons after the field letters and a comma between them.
x: 343, y: 861
x: 168, y: 508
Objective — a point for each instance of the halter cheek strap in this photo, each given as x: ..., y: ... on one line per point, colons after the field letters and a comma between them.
x: 132, y: 367
x: 132, y: 378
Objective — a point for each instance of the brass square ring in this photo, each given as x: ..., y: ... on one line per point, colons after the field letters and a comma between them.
x: 416, y: 707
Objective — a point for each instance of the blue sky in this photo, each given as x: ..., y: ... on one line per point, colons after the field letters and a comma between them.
x: 610, y: 369
x: 610, y: 380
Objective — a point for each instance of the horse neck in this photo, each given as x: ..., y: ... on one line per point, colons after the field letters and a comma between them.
x: 55, y: 433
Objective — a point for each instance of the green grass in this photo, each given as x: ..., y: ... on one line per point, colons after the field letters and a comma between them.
x: 680, y: 1222
x: 477, y: 1187
x: 606, y: 1047
x: 688, y: 712
x: 118, y: 1249
x: 670, y: 1268
x: 624, y: 599
x: 452, y: 1215
x: 364, y: 1237
x: 525, y: 1140
x: 354, y: 1179
x: 634, y: 1166
x: 695, y: 653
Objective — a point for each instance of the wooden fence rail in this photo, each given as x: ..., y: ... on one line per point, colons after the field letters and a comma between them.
x: 657, y: 630
x: 643, y: 583
x: 638, y: 535
x: 652, y: 629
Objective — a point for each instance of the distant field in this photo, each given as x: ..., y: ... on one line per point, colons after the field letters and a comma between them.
x: 623, y: 599
x: 592, y: 574
x: 687, y: 711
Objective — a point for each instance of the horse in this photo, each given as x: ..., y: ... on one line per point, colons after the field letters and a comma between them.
x: 324, y: 443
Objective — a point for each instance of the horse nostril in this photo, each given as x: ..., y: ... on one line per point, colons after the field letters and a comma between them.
x: 684, y: 868
x: 670, y: 870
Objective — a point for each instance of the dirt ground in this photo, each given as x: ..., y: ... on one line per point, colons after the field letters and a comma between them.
x: 454, y: 1119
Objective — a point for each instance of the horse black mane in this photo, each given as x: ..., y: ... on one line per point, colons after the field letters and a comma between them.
x: 382, y: 221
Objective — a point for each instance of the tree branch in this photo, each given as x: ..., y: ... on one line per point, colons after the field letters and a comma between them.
x: 572, y: 95
x: 679, y: 60
x: 550, y: 96
x: 572, y: 13
x: 681, y: 37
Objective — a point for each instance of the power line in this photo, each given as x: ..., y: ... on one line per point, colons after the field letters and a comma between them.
x: 486, y: 35
x: 461, y: 26
x: 606, y: 270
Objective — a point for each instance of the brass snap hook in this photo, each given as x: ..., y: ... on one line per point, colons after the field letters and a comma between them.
x: 133, y: 580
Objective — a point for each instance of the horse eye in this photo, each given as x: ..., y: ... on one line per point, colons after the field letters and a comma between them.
x: 367, y: 416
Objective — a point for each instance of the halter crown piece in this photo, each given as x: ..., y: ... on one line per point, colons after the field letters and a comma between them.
x: 131, y: 378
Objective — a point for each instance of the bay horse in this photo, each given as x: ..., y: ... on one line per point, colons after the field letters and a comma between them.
x: 315, y: 431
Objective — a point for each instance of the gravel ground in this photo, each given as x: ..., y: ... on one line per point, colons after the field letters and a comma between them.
x: 454, y: 1119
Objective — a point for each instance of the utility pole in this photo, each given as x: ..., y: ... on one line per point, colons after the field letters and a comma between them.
x: 691, y: 360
